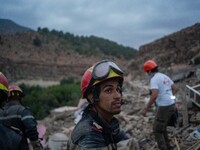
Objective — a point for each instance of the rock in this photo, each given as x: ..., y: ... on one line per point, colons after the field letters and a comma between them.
x: 58, y: 141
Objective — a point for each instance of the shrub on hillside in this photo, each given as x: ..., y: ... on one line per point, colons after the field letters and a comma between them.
x: 42, y: 100
x: 37, y: 42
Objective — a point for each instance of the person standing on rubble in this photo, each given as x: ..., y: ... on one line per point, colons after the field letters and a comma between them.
x: 20, y: 119
x: 162, y: 94
x: 98, y: 129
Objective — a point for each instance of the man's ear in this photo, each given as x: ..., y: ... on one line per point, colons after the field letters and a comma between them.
x: 90, y: 98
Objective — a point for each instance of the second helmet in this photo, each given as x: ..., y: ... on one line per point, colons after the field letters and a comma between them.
x: 149, y: 65
x: 15, y: 91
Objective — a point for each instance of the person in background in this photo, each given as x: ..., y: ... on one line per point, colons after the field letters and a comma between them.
x: 9, y: 139
x: 162, y: 94
x: 3, y: 88
x: 101, y: 85
x: 20, y: 119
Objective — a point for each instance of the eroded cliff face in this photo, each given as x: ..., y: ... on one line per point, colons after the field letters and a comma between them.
x: 20, y: 59
x: 181, y: 48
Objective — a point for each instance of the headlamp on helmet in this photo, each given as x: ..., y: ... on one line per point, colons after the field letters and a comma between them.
x: 15, y: 91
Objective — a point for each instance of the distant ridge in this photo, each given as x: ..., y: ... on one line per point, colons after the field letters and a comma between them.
x: 9, y: 27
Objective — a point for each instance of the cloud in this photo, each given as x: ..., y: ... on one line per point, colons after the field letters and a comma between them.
x: 131, y: 22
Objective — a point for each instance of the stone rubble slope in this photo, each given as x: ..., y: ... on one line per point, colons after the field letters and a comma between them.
x: 61, y: 120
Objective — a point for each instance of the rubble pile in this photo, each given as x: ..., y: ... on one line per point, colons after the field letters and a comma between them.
x: 139, y: 128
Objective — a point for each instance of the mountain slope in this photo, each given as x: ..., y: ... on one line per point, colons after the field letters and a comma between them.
x: 54, y: 55
x: 9, y: 27
x: 179, y: 49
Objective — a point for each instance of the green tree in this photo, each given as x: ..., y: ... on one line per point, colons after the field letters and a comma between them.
x: 37, y: 41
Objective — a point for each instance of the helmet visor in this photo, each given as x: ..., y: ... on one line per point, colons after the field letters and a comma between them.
x: 102, y: 70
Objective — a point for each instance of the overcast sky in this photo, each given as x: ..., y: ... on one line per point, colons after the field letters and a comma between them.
x: 127, y: 22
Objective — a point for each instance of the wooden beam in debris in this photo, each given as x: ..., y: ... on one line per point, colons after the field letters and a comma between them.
x: 185, y: 107
x: 193, y: 94
x: 180, y: 130
x: 196, y: 146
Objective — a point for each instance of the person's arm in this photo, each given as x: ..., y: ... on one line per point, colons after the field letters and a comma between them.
x: 174, y: 89
x: 152, y: 99
x: 37, y: 145
x: 30, y: 124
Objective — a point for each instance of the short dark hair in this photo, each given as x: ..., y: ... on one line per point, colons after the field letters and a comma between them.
x: 154, y: 69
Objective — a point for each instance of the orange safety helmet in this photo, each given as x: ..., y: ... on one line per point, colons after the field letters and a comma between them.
x: 149, y: 65
x: 88, y: 80
x: 15, y: 91
x: 3, y: 83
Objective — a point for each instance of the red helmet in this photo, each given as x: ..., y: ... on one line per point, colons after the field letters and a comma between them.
x: 98, y: 73
x: 15, y: 91
x: 3, y: 83
x: 149, y: 65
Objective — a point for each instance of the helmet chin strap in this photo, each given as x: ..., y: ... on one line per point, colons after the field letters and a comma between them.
x: 95, y: 93
x: 3, y: 97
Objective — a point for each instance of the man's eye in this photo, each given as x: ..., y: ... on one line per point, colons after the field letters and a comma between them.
x: 108, y: 90
x: 119, y: 90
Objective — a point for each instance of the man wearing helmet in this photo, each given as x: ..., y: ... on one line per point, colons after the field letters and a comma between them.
x: 98, y: 129
x: 9, y: 139
x: 19, y: 118
x: 3, y: 88
x: 162, y: 94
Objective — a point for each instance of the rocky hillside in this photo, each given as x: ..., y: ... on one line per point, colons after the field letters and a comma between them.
x: 45, y: 56
x: 20, y: 59
x: 177, y: 52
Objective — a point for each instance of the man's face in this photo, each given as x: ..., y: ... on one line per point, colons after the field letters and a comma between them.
x: 149, y: 74
x: 109, y: 98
